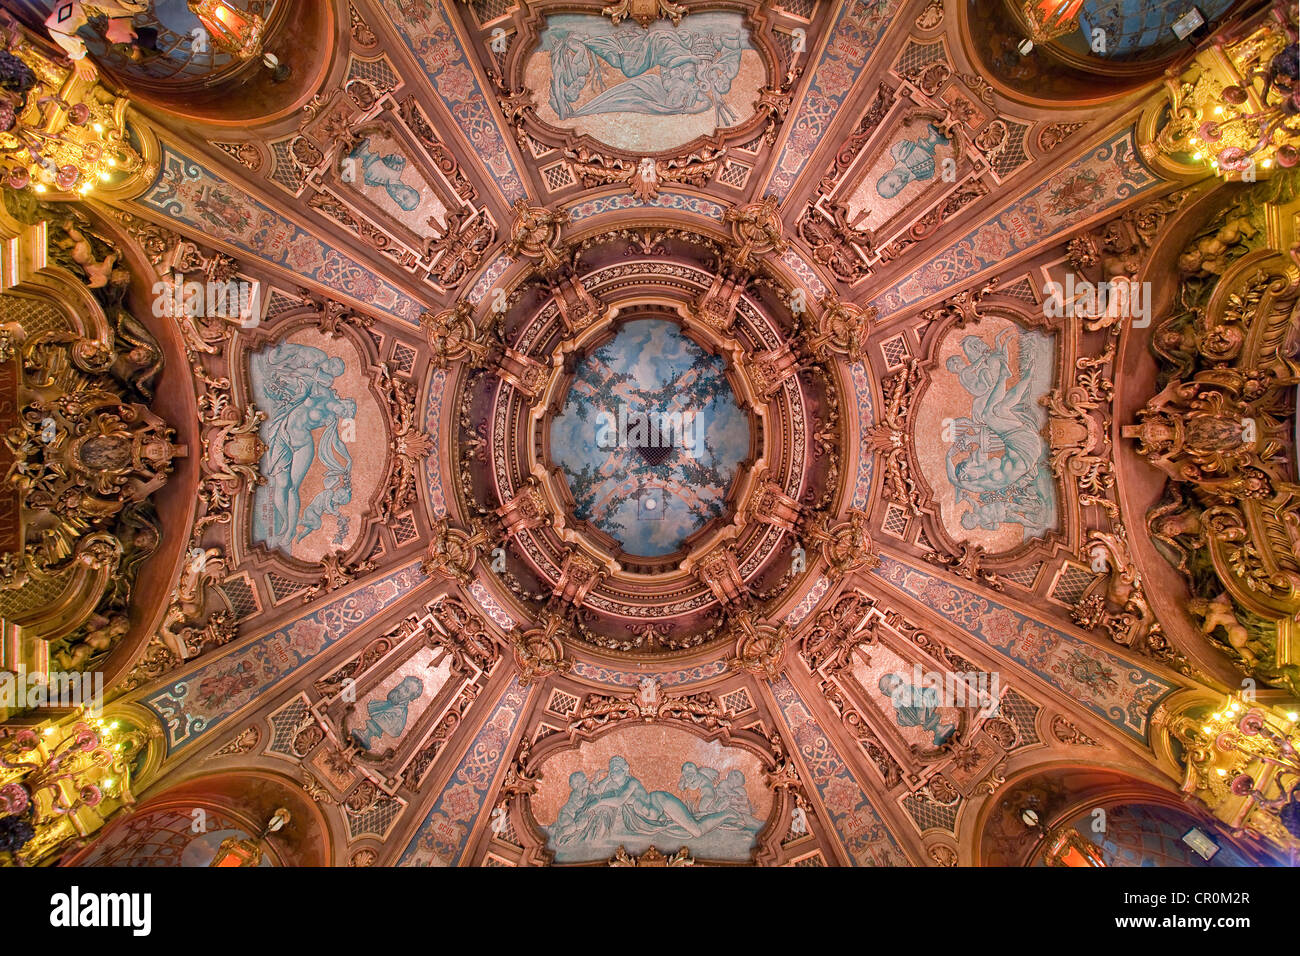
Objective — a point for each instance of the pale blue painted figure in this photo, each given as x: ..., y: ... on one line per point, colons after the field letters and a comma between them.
x: 294, y: 383
x: 1003, y: 475
x: 913, y: 161
x: 385, y: 171
x: 388, y: 717
x: 696, y: 70
x: 618, y: 810
x: 916, y: 707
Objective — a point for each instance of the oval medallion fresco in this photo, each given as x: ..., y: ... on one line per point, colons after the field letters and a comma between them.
x: 647, y: 786
x: 645, y: 90
x: 650, y: 437
x: 326, y: 445
x: 981, y: 434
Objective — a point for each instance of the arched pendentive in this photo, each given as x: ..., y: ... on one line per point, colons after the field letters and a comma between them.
x: 1138, y: 43
x: 1040, y: 809
x: 185, y: 824
x: 182, y: 67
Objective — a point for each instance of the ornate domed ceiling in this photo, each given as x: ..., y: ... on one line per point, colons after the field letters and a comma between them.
x: 783, y: 433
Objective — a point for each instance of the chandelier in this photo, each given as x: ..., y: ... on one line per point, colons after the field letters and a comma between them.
x: 1262, y: 751
x: 58, y: 133
x: 1237, y: 108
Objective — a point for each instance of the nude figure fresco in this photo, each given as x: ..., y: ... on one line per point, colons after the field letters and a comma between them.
x: 315, y: 408
x: 982, y: 435
x: 680, y: 81
x: 682, y: 792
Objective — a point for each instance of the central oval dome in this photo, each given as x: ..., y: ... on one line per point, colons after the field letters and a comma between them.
x: 650, y: 438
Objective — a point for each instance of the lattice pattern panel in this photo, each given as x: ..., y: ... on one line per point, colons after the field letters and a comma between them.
x: 561, y: 703
x: 403, y: 528
x: 487, y: 10
x: 242, y: 597
x: 812, y: 859
x: 1012, y: 155
x: 284, y: 170
x: 558, y: 176
x: 539, y: 148
x: 737, y: 702
x: 895, y: 352
x: 1023, y: 713
x: 34, y: 316
x: 285, y: 723
x: 377, y: 820
x: 916, y: 56
x: 734, y: 174
x: 378, y: 73
x: 38, y: 591
x: 403, y: 362
x: 895, y: 522
x: 282, y: 587
x: 278, y: 303
x: 800, y: 8
x: 1022, y: 290
x: 1070, y: 583
x: 929, y: 815
x: 1025, y: 577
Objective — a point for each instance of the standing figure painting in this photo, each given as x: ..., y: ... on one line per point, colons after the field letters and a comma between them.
x: 294, y: 384
x: 997, y: 462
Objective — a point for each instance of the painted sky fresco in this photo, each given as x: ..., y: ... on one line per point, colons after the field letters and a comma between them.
x: 980, y: 435
x: 650, y: 506
x: 645, y: 90
x: 378, y: 167
x: 317, y: 484
x: 652, y: 786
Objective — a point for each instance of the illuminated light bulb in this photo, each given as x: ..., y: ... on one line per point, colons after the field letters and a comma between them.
x: 114, y: 725
x: 1208, y: 729
x: 85, y: 188
x: 1197, y: 156
x: 98, y: 127
x: 104, y: 176
x: 40, y: 187
x: 48, y: 731
x: 1267, y: 163
x: 1221, y: 772
x: 1218, y: 111
x: 1292, y: 716
x: 110, y: 162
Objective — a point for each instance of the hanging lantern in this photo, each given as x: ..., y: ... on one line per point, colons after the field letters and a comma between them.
x: 234, y: 30
x: 241, y: 851
x: 1049, y: 19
